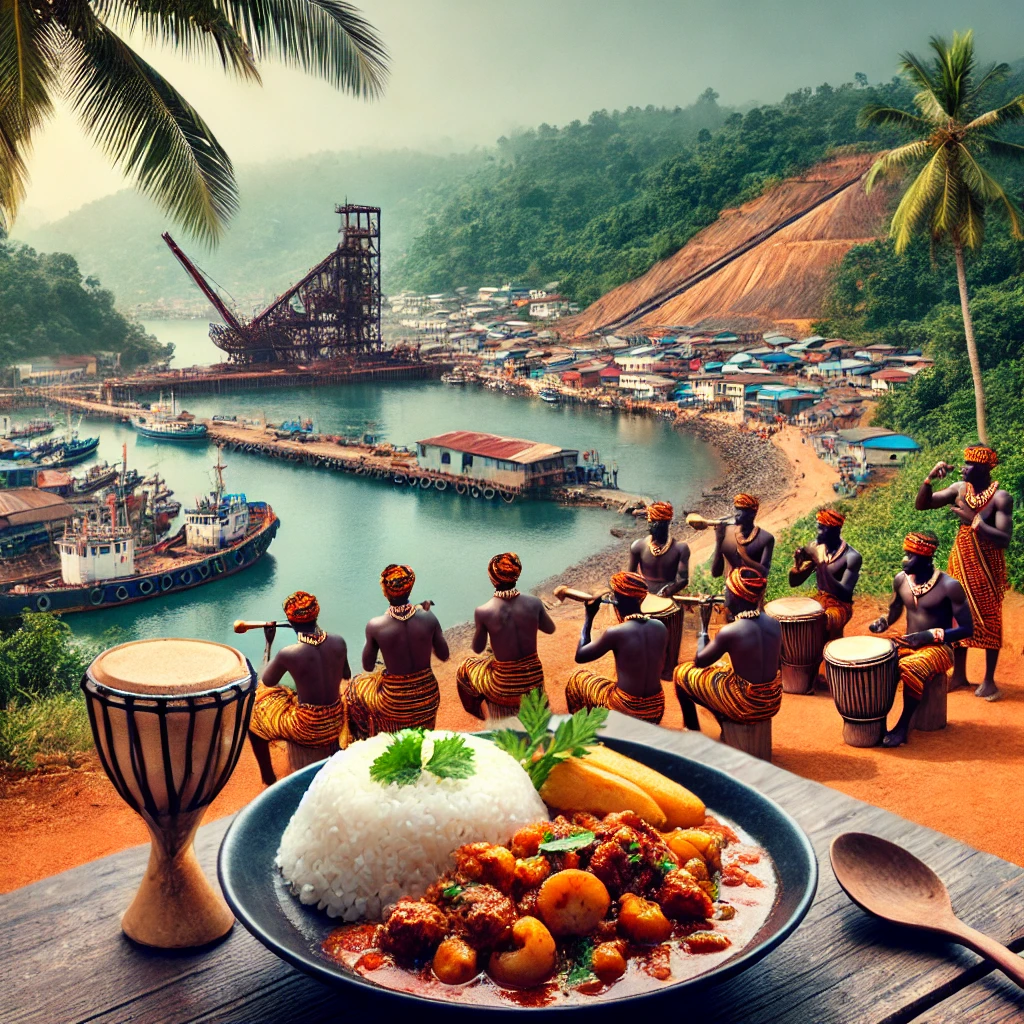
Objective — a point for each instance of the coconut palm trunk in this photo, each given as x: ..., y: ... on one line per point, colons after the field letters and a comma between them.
x: 972, y: 348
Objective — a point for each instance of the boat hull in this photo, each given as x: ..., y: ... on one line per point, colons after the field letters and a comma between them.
x: 163, y: 435
x: 144, y: 586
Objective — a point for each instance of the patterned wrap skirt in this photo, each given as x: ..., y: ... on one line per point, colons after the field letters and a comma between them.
x: 918, y: 666
x: 837, y: 613
x: 503, y: 683
x: 980, y: 568
x: 723, y: 692
x: 278, y: 715
x: 586, y: 689
x: 382, y: 702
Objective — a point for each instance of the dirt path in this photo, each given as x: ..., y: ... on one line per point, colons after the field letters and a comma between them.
x: 956, y: 780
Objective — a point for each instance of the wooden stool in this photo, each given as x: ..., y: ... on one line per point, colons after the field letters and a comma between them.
x: 930, y: 715
x: 300, y: 756
x: 754, y: 738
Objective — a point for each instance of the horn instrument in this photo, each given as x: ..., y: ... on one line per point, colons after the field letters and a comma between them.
x: 698, y: 522
x: 241, y: 626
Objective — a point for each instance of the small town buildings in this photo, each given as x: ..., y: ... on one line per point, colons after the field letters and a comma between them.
x: 27, y: 518
x: 639, y: 360
x: 646, y: 385
x: 494, y: 460
x: 549, y: 307
x: 14, y: 474
x: 54, y: 370
x: 886, y: 380
x: 610, y: 376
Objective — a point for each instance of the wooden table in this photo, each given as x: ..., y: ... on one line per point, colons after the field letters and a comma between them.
x: 64, y: 958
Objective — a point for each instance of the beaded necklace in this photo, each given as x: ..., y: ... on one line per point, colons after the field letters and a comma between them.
x: 401, y: 612
x: 637, y: 615
x: 658, y: 549
x: 975, y: 500
x: 825, y: 557
x: 312, y: 639
x: 506, y: 595
x: 744, y: 541
x: 920, y: 589
x: 752, y: 614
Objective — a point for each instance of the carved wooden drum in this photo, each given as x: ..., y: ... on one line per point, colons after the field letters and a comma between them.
x: 803, y: 639
x: 671, y: 615
x: 862, y: 672
x: 169, y: 719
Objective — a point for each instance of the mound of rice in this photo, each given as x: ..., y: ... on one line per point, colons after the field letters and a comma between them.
x: 354, y: 846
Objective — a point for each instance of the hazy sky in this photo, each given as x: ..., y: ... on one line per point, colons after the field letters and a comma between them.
x: 466, y: 71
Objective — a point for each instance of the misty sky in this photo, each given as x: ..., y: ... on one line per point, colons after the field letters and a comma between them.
x: 466, y: 71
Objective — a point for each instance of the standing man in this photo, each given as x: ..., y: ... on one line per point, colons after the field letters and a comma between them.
x: 662, y: 561
x: 736, y: 675
x: 933, y: 601
x: 510, y: 622
x: 638, y: 645
x: 978, y: 558
x: 405, y: 693
x: 313, y: 714
x: 837, y: 567
x: 743, y: 546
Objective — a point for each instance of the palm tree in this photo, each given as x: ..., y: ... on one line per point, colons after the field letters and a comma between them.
x: 70, y: 50
x: 951, y: 192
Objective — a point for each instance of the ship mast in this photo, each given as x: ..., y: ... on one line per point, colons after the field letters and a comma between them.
x: 219, y: 468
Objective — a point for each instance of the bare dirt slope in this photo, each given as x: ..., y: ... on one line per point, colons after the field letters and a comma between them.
x: 766, y: 262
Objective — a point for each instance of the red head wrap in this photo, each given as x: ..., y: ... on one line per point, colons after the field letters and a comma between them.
x: 397, y: 581
x: 747, y: 584
x: 505, y: 568
x: 830, y: 517
x: 921, y: 544
x: 629, y: 584
x: 746, y: 501
x: 982, y: 455
x: 660, y: 511
x: 301, y: 607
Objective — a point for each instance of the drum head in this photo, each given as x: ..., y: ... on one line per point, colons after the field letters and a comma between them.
x: 153, y: 667
x: 794, y: 608
x: 659, y: 607
x: 858, y: 650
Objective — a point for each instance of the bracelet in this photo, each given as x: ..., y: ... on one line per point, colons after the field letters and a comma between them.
x: 976, y: 521
x: 938, y: 635
x: 927, y: 481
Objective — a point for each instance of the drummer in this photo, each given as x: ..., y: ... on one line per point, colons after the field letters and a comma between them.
x: 736, y: 675
x: 933, y: 602
x: 662, y: 561
x: 744, y: 545
x: 837, y: 567
x: 313, y: 714
x: 638, y: 644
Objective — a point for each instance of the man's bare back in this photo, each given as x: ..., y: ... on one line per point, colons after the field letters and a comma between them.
x: 405, y: 646
x: 753, y: 646
x: 511, y: 625
x: 317, y: 671
x: 639, y: 649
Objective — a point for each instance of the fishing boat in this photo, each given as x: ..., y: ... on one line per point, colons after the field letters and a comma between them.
x: 456, y: 378
x: 96, y: 478
x: 550, y: 396
x: 164, y: 421
x: 34, y: 428
x: 70, y: 452
x: 103, y: 566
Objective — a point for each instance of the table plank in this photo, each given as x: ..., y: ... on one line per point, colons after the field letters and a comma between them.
x: 67, y: 961
x: 993, y: 999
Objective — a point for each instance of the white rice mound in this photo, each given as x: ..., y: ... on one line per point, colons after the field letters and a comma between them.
x: 354, y: 846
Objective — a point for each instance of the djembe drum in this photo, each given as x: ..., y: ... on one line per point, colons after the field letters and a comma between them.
x: 169, y: 719
x: 802, y: 621
x: 666, y: 611
x: 862, y: 672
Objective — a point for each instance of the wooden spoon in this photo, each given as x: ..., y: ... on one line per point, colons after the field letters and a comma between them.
x: 891, y: 883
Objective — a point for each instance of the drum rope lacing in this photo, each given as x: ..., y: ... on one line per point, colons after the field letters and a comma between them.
x: 506, y: 595
x: 402, y: 612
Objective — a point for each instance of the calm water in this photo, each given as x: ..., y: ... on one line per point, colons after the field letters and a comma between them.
x: 338, y: 532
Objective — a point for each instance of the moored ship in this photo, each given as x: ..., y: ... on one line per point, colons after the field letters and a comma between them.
x: 164, y: 421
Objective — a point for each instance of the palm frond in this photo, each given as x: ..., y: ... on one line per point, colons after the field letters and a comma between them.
x: 28, y: 65
x: 955, y: 64
x: 896, y: 159
x: 950, y: 198
x: 1008, y: 113
x: 992, y: 75
x: 971, y: 230
x: 986, y: 191
x: 882, y: 116
x: 151, y: 131
x: 13, y: 175
x: 998, y: 148
x: 329, y: 38
x: 915, y: 208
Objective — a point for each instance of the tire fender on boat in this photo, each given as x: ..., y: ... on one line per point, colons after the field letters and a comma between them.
x: 96, y: 596
x: 440, y: 485
x: 121, y: 593
x: 508, y: 496
x: 166, y: 581
x: 238, y: 557
x: 399, y: 478
x: 185, y: 578
x: 488, y: 493
x: 43, y: 603
x: 204, y: 570
x: 460, y: 488
x: 424, y: 482
x: 218, y: 564
x: 474, y: 492
x: 146, y: 587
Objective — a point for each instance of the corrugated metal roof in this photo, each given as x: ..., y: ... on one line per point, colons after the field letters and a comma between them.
x: 893, y: 442
x: 21, y: 505
x: 858, y: 434
x: 494, y: 446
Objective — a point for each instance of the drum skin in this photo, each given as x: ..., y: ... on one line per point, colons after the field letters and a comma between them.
x: 802, y: 621
x: 862, y: 672
x: 667, y: 611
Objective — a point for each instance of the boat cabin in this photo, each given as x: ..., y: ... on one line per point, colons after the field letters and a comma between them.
x: 212, y: 526
x: 96, y: 552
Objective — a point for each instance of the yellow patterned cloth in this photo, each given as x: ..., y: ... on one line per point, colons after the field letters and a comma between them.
x: 917, y: 667
x: 837, y: 613
x: 981, y: 569
x: 504, y: 683
x: 586, y: 689
x: 278, y: 715
x: 722, y: 691
x: 381, y: 702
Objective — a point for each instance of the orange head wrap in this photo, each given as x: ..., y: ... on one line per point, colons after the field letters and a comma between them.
x: 301, y: 607
x: 830, y: 517
x: 505, y: 568
x: 397, y: 581
x: 921, y: 544
x: 981, y: 454
x: 660, y: 511
x: 629, y: 584
x: 746, y: 501
x: 746, y: 584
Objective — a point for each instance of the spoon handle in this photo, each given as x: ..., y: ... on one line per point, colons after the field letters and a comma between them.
x: 1009, y: 963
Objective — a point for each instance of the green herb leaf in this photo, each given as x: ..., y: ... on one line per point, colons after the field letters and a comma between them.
x: 634, y: 858
x: 451, y: 759
x: 513, y: 743
x: 535, y: 714
x: 666, y: 866
x: 402, y: 762
x: 581, y: 967
x: 451, y: 892
x: 548, y: 836
x: 634, y: 846
x: 574, y: 842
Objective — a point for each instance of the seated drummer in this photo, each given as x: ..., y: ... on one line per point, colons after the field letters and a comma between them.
x: 662, y: 561
x: 837, y: 567
x: 638, y: 645
x: 510, y: 621
x: 404, y: 694
x: 736, y: 675
x: 313, y: 714
x: 933, y: 601
x: 745, y: 545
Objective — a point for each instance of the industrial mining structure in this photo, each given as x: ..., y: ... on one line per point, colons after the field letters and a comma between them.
x: 333, y: 313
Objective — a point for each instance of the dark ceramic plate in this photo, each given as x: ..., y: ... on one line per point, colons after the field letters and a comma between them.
x: 261, y: 900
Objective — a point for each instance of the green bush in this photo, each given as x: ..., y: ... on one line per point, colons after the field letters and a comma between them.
x: 40, y: 658
x: 52, y: 726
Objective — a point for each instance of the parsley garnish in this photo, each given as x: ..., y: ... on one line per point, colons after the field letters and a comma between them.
x: 401, y: 764
x: 574, y: 842
x: 666, y: 866
x: 581, y: 967
x: 634, y: 858
x: 451, y: 892
x: 634, y: 846
x: 571, y: 739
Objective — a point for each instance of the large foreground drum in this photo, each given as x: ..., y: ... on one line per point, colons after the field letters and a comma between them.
x: 862, y: 672
x: 169, y: 719
x: 668, y: 612
x: 803, y: 639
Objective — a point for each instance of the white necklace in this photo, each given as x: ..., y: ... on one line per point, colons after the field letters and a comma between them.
x: 825, y: 557
x: 401, y: 612
x: 506, y: 595
x: 920, y: 589
x: 659, y: 549
x: 752, y: 614
x: 637, y: 615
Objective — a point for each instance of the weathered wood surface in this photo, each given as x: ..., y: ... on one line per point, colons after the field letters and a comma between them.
x: 65, y: 959
x: 993, y: 999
